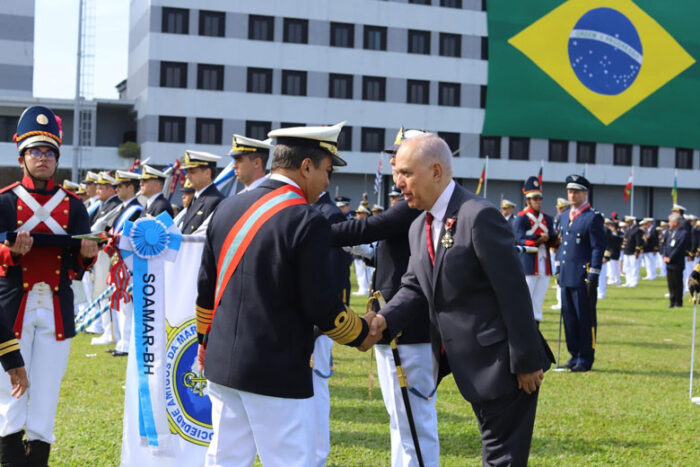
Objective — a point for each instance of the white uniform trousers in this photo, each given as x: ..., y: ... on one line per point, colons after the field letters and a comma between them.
x: 322, y: 371
x: 124, y: 317
x: 419, y: 367
x: 630, y: 266
x: 613, y: 272
x: 689, y: 265
x: 538, y: 290
x: 100, y: 270
x: 88, y: 285
x: 280, y: 430
x: 650, y: 265
x: 362, y: 277
x: 661, y: 265
x: 45, y: 360
x: 602, y: 280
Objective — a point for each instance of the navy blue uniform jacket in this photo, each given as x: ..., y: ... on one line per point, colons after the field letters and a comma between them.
x: 339, y: 259
x: 160, y: 204
x: 582, y: 247
x: 200, y: 208
x: 261, y: 336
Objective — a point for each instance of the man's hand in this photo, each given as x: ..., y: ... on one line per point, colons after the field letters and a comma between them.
x: 529, y: 382
x: 377, y: 325
x: 88, y: 249
x: 592, y: 285
x: 18, y: 381
x: 201, y: 351
x: 23, y: 243
x: 636, y: 255
x: 667, y: 259
x: 544, y: 238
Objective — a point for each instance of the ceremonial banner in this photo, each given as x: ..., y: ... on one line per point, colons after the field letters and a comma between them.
x: 163, y: 348
x: 617, y: 71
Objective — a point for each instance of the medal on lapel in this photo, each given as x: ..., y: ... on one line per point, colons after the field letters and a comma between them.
x: 447, y: 241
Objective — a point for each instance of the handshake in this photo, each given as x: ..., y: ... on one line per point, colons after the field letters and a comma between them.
x: 377, y: 325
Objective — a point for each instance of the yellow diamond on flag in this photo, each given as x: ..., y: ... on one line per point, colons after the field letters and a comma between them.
x: 609, y: 55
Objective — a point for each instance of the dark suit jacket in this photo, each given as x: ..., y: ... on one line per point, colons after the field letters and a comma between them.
x: 478, y: 300
x: 390, y: 230
x: 632, y: 240
x: 675, y: 247
x: 650, y: 241
x: 339, y: 259
x: 106, y: 207
x: 200, y: 208
x: 261, y: 336
x: 160, y: 204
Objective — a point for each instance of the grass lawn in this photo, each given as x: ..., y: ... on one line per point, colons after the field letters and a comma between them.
x: 632, y: 410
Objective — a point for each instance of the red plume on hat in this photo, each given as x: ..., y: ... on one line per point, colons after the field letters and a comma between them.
x: 59, y: 122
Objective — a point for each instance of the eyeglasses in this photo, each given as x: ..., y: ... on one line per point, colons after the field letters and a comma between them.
x: 37, y: 154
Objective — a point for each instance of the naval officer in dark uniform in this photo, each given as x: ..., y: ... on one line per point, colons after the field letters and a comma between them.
x: 152, y: 181
x: 582, y: 249
x: 201, y: 168
x: 262, y: 287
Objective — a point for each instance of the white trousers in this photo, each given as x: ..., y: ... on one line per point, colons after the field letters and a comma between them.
x: 88, y: 285
x: 124, y: 317
x: 613, y: 272
x: 279, y: 430
x: 602, y: 281
x: 538, y: 290
x: 650, y: 265
x: 630, y: 266
x: 361, y: 274
x: 45, y: 360
x: 322, y: 398
x: 661, y: 265
x: 419, y: 367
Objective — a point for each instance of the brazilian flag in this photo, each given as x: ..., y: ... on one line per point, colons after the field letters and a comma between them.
x: 616, y: 71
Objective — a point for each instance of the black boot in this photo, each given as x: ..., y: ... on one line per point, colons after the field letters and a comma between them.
x: 38, y: 453
x: 12, y: 450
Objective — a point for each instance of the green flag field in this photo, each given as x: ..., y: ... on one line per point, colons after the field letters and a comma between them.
x: 633, y: 409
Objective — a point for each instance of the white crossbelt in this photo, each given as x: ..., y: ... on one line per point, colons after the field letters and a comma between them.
x: 536, y: 222
x: 41, y: 213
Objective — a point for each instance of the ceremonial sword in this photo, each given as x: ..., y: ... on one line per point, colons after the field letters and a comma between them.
x: 379, y: 298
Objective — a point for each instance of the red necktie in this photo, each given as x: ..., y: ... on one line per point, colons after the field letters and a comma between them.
x: 429, y: 236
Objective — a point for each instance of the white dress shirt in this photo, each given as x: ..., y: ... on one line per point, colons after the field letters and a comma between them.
x: 438, y: 211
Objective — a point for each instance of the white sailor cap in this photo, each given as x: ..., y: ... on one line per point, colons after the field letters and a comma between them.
x: 70, y: 186
x: 402, y: 136
x: 91, y: 177
x: 630, y: 218
x: 104, y: 178
x: 621, y: 224
x: 244, y: 145
x: 124, y: 176
x: 193, y: 159
x: 690, y: 217
x: 507, y: 203
x: 563, y: 203
x: 678, y: 207
x: 324, y: 137
x: 377, y: 207
x: 363, y: 209
x: 149, y: 173
x: 646, y: 220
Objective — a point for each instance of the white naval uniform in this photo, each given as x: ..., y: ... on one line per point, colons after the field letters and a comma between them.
x: 630, y: 266
x: 613, y: 272
x: 603, y: 280
x: 322, y: 371
x: 241, y: 422
x: 421, y: 373
x: 650, y: 265
x: 538, y: 283
x: 110, y: 324
x: 362, y: 276
x: 45, y: 360
x: 661, y: 265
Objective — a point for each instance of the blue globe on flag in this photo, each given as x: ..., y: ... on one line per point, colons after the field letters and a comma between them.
x: 605, y: 51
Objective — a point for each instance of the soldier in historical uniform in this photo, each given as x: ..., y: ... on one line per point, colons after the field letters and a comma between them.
x: 582, y: 249
x: 650, y: 247
x: 152, y: 181
x: 201, y: 168
x: 258, y: 302
x: 390, y: 230
x: 535, y: 228
x: 674, y: 253
x: 250, y: 160
x: 613, y: 247
x: 508, y: 211
x: 631, y: 250
x: 36, y: 297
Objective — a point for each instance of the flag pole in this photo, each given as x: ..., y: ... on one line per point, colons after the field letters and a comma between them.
x: 632, y: 194
x: 486, y: 176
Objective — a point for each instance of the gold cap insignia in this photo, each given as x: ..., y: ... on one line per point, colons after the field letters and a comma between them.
x: 42, y: 119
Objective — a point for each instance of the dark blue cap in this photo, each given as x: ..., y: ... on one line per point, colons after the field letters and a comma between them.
x: 577, y: 182
x: 38, y: 126
x: 532, y: 188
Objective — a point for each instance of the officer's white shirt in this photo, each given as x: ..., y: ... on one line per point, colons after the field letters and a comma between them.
x: 438, y: 211
x: 282, y: 178
x: 152, y: 199
x: 199, y: 192
x: 253, y: 185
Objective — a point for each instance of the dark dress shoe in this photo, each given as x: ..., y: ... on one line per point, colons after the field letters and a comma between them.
x: 672, y: 305
x: 569, y: 364
x: 579, y: 369
x: 119, y: 354
x: 110, y: 351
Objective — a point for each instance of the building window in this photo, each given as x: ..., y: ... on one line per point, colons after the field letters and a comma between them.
x: 649, y: 156
x: 176, y: 21
x: 482, y: 96
x: 210, y: 77
x: 294, y: 83
x: 417, y: 91
x: 558, y: 150
x: 208, y: 131
x: 418, y: 42
x: 450, y: 45
x: 684, y: 158
x: 449, y: 94
x: 374, y: 38
x: 257, y: 130
x: 261, y: 28
x: 373, y: 88
x: 420, y: 2
x: 290, y: 124
x: 173, y: 75
x: 340, y: 86
x: 519, y: 149
x: 260, y: 80
x: 171, y: 129
x: 622, y: 154
x: 296, y: 31
x: 345, y: 139
x: 452, y: 140
x: 585, y: 152
x: 490, y: 146
x: 8, y: 127
x: 372, y: 139
x: 212, y: 23
x: 342, y: 35
x: 451, y: 3
x: 484, y: 48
